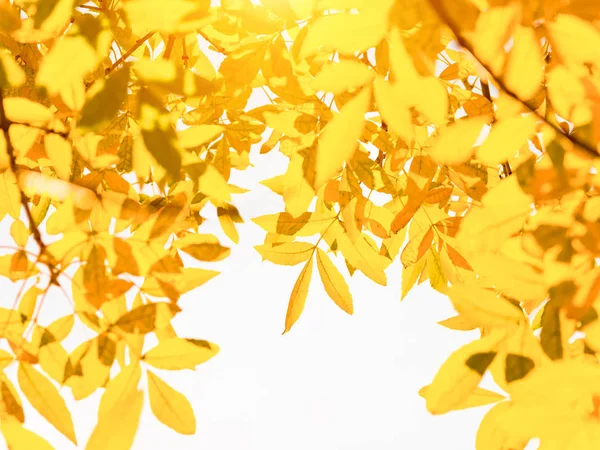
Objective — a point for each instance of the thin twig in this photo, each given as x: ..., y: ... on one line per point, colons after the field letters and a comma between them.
x: 445, y: 17
x: 217, y: 46
x: 5, y: 124
x: 126, y: 55
x: 169, y: 46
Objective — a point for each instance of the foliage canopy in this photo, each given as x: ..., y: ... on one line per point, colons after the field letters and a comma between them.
x: 460, y: 136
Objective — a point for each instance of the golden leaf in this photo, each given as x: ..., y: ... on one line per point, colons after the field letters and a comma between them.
x: 339, y: 139
x: 178, y: 353
x: 460, y: 374
x: 298, y: 296
x: 20, y: 438
x: 289, y: 253
x: 455, y: 142
x: 334, y: 283
x: 46, y: 399
x: 170, y: 406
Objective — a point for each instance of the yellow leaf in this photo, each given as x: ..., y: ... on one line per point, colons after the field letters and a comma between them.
x: 65, y: 65
x: 117, y: 430
x: 360, y: 254
x: 19, y: 233
x: 20, y: 438
x: 393, y: 108
x: 512, y: 277
x: 119, y: 387
x: 478, y: 397
x: 494, y: 28
x: 60, y: 153
x: 492, y: 435
x: 44, y: 397
x: 11, y: 73
x: 194, y: 277
x: 504, y: 210
x: 339, y: 139
x: 455, y: 142
x: 334, y: 283
x: 524, y: 71
x: 342, y: 76
x: 198, y: 135
x: 506, y: 138
x: 430, y: 97
x: 170, y: 406
x: 346, y: 33
x: 177, y: 353
x: 437, y: 277
x: 104, y: 99
x: 297, y: 192
x: 576, y: 41
x: 10, y: 401
x: 460, y: 374
x: 417, y: 247
x: 213, y: 184
x: 203, y: 247
x: 24, y: 110
x: 484, y: 307
x: 176, y: 16
x: 298, y: 296
x: 288, y: 254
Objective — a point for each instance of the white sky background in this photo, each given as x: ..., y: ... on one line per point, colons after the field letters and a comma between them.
x: 334, y: 382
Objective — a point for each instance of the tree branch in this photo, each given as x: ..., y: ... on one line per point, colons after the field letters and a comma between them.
x: 5, y: 124
x: 127, y: 54
x: 441, y: 11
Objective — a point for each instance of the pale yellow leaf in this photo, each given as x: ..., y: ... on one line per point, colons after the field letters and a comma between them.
x: 174, y: 16
x: 288, y: 254
x: 455, y: 142
x: 461, y: 373
x: 117, y: 430
x: 198, y: 135
x: 65, y: 65
x: 494, y: 28
x: 523, y: 74
x: 506, y: 138
x: 478, y: 397
x: 45, y: 398
x: 483, y: 307
x: 298, y: 296
x: 347, y: 33
x: 24, y: 110
x: 576, y: 41
x: 394, y: 109
x: 121, y: 386
x: 431, y: 98
x: 170, y: 406
x: 177, y: 353
x: 342, y: 76
x: 334, y: 283
x: 59, y: 151
x: 339, y: 139
x: 20, y: 438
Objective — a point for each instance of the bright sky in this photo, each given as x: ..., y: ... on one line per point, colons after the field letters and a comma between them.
x: 335, y: 382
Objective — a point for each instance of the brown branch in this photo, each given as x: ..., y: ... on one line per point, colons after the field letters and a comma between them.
x: 184, y: 56
x: 217, y: 46
x: 5, y: 124
x: 169, y: 47
x: 126, y: 55
x: 441, y: 11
